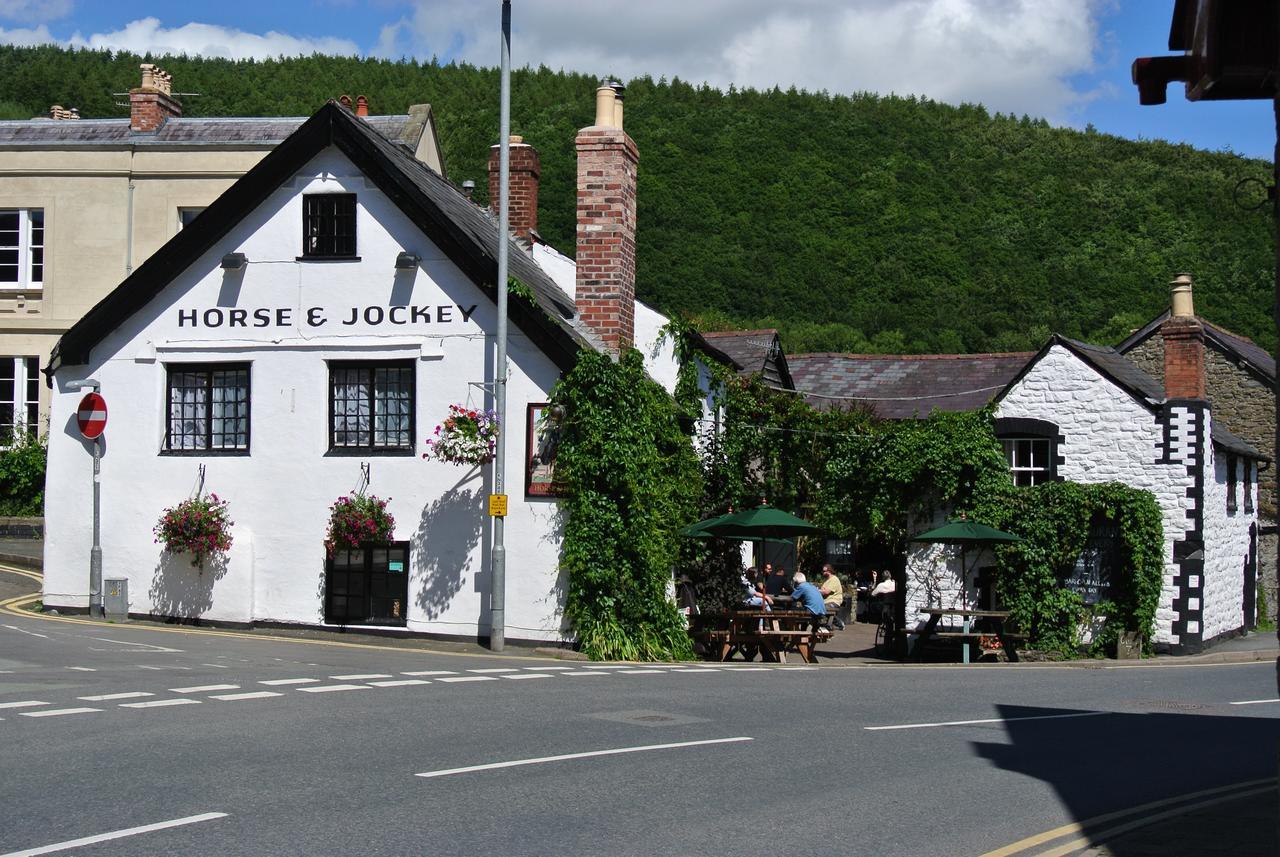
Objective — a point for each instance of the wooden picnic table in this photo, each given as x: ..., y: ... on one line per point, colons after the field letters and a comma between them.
x: 770, y: 632
x: 994, y: 618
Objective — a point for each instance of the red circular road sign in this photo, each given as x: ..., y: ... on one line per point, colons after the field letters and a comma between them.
x: 92, y: 415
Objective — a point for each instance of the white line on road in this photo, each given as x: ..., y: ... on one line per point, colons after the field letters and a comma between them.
x: 326, y: 688
x: 256, y: 694
x: 692, y: 670
x: 493, y: 670
x: 107, y: 697
x: 217, y: 666
x: 133, y: 643
x: 469, y: 678
x: 548, y: 668
x: 26, y: 703
x: 83, y: 669
x: 22, y: 631
x: 639, y: 672
x: 115, y: 834
x: 430, y: 672
x: 160, y: 703
x: 586, y: 673
x: 1254, y: 701
x: 989, y: 720
x: 529, y: 675
x: 359, y: 677
x: 614, y: 752
x: 279, y: 681
x: 58, y: 711
x: 400, y: 682
x: 205, y: 688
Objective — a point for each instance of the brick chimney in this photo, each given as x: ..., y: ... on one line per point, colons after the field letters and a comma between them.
x: 1183, y: 344
x: 152, y: 102
x: 524, y: 168
x: 606, y: 246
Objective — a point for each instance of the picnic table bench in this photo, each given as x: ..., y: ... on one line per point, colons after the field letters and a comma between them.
x: 994, y: 618
x: 771, y: 633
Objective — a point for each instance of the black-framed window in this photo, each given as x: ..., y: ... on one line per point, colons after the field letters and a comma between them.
x: 207, y: 408
x: 1248, y: 485
x: 371, y: 407
x: 368, y: 586
x: 1030, y: 459
x: 1232, y: 500
x: 328, y: 225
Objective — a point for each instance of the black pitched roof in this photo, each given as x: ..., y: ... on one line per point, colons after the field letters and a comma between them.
x: 904, y: 386
x: 749, y: 352
x: 1240, y: 349
x: 465, y: 234
x: 1125, y: 374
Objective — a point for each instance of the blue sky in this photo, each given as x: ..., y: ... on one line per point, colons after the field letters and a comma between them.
x: 1066, y: 60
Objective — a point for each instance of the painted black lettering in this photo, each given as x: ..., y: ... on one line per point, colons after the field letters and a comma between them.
x: 391, y: 315
x: 283, y: 317
x: 187, y: 315
x: 421, y: 313
x: 352, y: 320
x: 213, y: 318
x: 314, y: 318
x: 466, y: 313
x: 373, y: 315
x: 443, y: 313
x: 237, y: 317
x: 261, y: 317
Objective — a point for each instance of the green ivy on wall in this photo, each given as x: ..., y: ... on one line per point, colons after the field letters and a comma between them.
x: 632, y: 482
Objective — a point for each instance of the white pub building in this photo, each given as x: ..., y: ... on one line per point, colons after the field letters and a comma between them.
x: 298, y: 342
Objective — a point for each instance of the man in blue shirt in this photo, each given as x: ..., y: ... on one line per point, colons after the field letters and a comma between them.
x: 807, y: 595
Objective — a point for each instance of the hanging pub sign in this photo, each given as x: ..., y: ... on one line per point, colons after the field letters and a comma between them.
x: 542, y: 435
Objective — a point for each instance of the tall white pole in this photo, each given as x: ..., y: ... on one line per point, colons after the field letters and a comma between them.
x: 498, y: 593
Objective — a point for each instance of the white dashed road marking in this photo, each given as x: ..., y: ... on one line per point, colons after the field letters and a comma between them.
x: 115, y: 834
x: 54, y: 712
x: 430, y: 672
x: 26, y: 703
x: 279, y: 681
x: 107, y: 697
x: 614, y: 752
x: 327, y: 688
x: 205, y: 688
x: 1254, y: 701
x: 400, y: 682
x: 596, y: 673
x: 529, y: 675
x: 160, y: 703
x: 497, y: 670
x: 469, y: 678
x: 236, y: 697
x: 359, y: 677
x: 83, y: 669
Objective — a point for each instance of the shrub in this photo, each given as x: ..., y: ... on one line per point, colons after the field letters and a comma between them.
x: 22, y: 468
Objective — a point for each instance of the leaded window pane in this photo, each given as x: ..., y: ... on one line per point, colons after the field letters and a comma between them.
x: 371, y: 406
x: 208, y: 408
x: 329, y: 224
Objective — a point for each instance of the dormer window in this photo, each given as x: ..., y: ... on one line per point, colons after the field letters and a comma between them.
x: 329, y: 226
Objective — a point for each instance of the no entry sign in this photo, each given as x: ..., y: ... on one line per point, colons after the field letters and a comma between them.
x: 92, y: 415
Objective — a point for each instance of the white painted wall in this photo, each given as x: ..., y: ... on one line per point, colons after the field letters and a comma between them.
x: 279, y: 495
x: 1226, y: 546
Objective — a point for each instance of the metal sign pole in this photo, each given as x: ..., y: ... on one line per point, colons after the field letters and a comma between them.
x: 95, y: 553
x: 498, y: 594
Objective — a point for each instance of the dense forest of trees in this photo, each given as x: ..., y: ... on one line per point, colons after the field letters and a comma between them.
x: 860, y: 223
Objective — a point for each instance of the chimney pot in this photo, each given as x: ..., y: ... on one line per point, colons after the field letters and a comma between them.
x: 468, y: 188
x: 1181, y: 304
x: 605, y: 110
x: 345, y: 101
x: 362, y: 106
x: 152, y: 103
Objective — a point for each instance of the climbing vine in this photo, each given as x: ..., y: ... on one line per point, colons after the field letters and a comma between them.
x: 632, y: 482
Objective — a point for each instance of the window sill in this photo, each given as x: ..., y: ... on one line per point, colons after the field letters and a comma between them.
x: 326, y: 258
x: 220, y: 453
x: 357, y: 451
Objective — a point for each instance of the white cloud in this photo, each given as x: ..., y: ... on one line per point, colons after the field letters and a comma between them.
x: 1011, y: 55
x: 195, y: 39
x: 32, y: 11
x: 25, y: 38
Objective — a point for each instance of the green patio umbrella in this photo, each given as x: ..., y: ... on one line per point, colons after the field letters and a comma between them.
x: 965, y: 534
x: 762, y: 522
x: 699, y: 530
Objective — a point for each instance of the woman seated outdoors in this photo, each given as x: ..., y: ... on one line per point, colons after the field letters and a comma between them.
x: 755, y: 590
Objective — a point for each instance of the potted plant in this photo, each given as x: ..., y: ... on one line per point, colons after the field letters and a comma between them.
x: 198, y: 526
x: 467, y: 436
x: 356, y: 519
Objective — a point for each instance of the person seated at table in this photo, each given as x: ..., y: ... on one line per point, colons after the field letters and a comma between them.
x: 805, y: 595
x: 832, y: 595
x: 886, y: 586
x: 754, y: 590
x: 773, y: 580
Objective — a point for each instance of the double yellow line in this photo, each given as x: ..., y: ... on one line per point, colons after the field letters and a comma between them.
x: 1099, y: 829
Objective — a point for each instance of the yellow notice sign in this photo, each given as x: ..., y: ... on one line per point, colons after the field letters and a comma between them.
x: 498, y: 505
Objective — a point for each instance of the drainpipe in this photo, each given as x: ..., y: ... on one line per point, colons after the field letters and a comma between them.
x: 128, y: 218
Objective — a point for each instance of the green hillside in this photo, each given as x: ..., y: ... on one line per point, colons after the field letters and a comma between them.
x: 859, y: 223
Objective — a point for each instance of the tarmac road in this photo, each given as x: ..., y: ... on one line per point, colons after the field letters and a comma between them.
x: 262, y: 746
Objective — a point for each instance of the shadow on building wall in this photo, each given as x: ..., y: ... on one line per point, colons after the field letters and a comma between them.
x: 181, y: 590
x: 445, y: 544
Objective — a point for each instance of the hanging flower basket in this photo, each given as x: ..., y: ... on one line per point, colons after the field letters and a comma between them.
x: 355, y: 519
x: 198, y: 526
x: 467, y: 436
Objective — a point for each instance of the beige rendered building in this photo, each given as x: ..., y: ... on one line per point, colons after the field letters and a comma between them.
x: 84, y: 201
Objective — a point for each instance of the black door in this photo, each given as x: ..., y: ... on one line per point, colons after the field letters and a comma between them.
x: 368, y: 586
